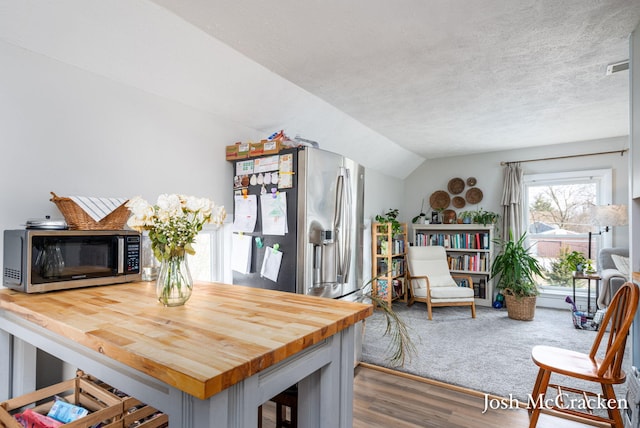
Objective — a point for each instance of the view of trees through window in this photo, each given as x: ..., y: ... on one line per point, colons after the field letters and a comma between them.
x: 558, y: 217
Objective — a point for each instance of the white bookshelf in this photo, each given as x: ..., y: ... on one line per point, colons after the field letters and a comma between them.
x: 469, y: 250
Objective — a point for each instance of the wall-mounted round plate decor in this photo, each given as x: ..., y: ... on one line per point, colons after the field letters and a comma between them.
x: 439, y: 200
x: 473, y: 195
x: 455, y: 186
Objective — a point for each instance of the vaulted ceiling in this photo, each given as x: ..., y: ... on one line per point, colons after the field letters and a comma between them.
x: 444, y: 77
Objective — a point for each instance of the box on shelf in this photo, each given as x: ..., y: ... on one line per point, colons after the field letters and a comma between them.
x: 270, y: 147
x: 104, y: 407
x: 237, y: 151
x: 256, y: 149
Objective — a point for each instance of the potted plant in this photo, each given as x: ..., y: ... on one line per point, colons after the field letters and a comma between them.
x: 577, y: 261
x: 390, y: 216
x: 485, y: 217
x: 420, y: 218
x: 466, y: 216
x: 515, y: 269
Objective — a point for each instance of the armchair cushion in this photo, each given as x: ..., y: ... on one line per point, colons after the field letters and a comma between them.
x: 621, y: 263
x: 612, y: 277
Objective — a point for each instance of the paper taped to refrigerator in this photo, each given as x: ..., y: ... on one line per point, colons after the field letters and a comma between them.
x: 271, y: 264
x: 273, y: 208
x: 241, y: 253
x: 245, y: 213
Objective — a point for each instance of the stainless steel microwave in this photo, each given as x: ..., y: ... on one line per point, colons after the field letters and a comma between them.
x: 36, y: 261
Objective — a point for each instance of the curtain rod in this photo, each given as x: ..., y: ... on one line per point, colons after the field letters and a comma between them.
x: 568, y: 156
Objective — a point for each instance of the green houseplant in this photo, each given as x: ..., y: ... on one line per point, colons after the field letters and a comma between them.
x: 485, y: 217
x: 390, y: 216
x: 466, y: 216
x: 577, y: 261
x: 515, y: 269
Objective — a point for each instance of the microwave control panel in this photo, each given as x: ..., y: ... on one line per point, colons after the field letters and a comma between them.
x: 133, y: 254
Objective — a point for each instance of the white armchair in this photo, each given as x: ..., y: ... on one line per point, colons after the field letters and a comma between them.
x: 431, y: 282
x: 613, y: 272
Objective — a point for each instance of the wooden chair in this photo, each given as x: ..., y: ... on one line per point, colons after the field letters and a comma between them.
x: 602, y: 365
x: 432, y: 283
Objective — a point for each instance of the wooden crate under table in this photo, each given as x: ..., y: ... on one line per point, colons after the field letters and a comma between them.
x: 102, y: 405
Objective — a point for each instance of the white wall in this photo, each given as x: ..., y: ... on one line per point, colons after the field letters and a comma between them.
x: 124, y: 99
x: 434, y: 175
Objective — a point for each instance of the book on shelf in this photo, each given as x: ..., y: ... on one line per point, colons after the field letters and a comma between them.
x: 382, y: 289
x: 480, y: 289
x: 468, y: 262
x: 473, y: 241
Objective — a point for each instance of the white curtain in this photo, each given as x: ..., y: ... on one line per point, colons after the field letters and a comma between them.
x: 512, y: 201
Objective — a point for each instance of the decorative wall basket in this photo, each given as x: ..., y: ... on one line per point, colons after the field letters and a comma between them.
x: 448, y: 216
x: 473, y: 195
x: 439, y: 200
x: 455, y: 186
x: 458, y: 202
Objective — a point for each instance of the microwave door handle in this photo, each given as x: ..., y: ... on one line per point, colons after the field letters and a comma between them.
x: 120, y: 255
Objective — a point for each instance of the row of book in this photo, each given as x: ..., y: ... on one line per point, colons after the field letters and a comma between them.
x: 478, y: 262
x: 397, y: 247
x: 474, y: 241
x: 382, y: 288
x: 397, y: 267
x: 479, y: 287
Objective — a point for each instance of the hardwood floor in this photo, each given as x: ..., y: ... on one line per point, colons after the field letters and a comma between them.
x: 385, y: 398
x: 388, y: 399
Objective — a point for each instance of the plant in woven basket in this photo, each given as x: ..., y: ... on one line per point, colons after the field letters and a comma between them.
x: 516, y: 270
x: 173, y: 223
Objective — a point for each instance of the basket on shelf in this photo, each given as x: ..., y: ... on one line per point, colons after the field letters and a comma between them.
x: 78, y: 219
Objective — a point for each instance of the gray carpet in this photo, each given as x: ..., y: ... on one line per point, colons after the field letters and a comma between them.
x: 491, y: 353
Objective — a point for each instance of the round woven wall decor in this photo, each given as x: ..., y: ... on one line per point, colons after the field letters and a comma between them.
x: 439, y: 200
x: 473, y: 195
x: 458, y: 202
x: 471, y: 181
x: 448, y: 216
x: 455, y: 186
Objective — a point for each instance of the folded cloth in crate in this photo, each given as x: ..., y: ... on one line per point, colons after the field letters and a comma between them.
x: 98, y: 208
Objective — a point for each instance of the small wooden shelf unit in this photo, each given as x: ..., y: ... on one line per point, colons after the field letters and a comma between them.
x: 388, y: 268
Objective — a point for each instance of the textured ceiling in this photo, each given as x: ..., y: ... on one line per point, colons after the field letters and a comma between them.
x: 444, y: 77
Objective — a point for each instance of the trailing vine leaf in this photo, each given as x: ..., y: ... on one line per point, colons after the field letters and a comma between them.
x: 400, y: 347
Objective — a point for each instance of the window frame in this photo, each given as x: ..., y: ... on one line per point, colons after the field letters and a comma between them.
x: 604, y: 196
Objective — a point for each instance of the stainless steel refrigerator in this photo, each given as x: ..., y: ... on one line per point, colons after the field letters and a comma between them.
x: 322, y: 251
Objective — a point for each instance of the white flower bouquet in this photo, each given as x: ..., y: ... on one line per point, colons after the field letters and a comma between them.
x: 173, y: 222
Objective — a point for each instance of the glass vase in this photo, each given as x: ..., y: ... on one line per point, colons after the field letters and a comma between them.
x: 174, y: 285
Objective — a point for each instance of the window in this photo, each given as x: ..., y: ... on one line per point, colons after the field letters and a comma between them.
x: 206, y: 264
x: 557, y: 214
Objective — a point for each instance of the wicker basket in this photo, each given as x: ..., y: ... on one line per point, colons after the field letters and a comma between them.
x: 78, y: 219
x: 520, y: 308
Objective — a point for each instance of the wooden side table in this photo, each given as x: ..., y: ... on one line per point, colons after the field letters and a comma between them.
x: 589, y: 278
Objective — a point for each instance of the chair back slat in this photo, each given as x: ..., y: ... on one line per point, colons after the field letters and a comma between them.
x: 615, y: 326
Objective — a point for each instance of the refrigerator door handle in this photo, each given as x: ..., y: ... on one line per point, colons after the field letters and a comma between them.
x: 337, y: 224
x: 343, y: 235
x: 348, y: 216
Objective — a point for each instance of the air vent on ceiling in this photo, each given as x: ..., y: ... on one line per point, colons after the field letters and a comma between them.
x: 618, y: 66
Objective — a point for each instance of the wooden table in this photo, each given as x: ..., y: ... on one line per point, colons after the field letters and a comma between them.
x: 209, y: 363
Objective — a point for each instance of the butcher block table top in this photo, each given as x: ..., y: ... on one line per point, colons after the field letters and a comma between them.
x: 222, y: 335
